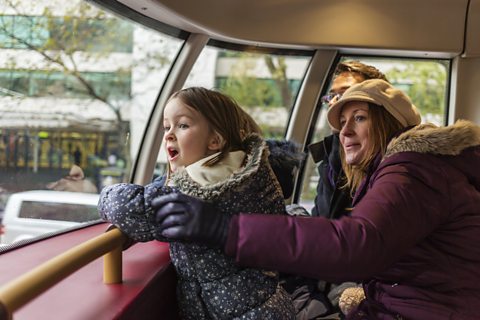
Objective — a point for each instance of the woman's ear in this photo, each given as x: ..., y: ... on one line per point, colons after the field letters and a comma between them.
x: 216, y: 142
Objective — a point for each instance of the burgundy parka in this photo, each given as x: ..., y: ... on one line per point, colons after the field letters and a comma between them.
x: 413, y: 237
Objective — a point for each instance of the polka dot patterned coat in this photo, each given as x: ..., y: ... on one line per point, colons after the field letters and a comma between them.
x: 211, y: 285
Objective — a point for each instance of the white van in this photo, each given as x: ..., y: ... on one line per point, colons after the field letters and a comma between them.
x: 32, y: 213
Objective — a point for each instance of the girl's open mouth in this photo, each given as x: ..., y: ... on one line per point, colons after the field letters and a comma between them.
x: 172, y: 153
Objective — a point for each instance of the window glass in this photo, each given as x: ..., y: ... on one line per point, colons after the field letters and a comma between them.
x: 264, y: 84
x: 77, y: 85
x: 96, y: 33
x: 425, y: 81
x: 56, y: 211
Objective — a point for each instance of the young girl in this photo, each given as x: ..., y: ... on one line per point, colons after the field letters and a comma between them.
x: 214, y: 153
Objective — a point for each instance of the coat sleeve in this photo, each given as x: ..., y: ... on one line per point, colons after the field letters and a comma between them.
x: 128, y: 207
x: 401, y: 208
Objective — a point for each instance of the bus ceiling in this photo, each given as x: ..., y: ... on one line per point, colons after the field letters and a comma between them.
x: 438, y: 28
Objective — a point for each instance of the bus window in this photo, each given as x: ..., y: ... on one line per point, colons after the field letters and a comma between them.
x: 264, y: 84
x: 77, y: 85
x: 425, y: 81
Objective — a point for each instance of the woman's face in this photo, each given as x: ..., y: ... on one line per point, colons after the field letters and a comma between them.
x: 188, y: 137
x: 355, y: 122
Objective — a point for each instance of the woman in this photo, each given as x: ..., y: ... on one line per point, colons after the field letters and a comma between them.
x: 413, y: 237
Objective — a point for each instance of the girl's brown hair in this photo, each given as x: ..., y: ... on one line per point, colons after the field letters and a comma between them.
x: 382, y: 127
x: 223, y: 114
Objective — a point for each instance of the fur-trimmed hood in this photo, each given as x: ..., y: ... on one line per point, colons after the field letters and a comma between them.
x: 429, y: 138
x: 459, y: 144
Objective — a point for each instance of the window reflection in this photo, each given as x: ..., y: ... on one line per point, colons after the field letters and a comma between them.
x: 77, y: 85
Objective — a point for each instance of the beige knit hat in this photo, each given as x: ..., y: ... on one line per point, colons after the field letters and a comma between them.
x: 381, y: 93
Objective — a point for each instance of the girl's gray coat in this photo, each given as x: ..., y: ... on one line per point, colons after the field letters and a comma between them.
x: 211, y: 285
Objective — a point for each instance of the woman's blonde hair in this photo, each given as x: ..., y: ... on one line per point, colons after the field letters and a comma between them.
x: 224, y: 116
x: 382, y: 127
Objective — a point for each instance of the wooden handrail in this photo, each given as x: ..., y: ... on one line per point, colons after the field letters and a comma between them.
x: 28, y: 286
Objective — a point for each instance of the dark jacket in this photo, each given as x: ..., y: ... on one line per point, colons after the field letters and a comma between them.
x: 413, y: 236
x: 211, y: 285
x: 285, y: 158
x: 332, y: 201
